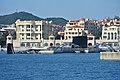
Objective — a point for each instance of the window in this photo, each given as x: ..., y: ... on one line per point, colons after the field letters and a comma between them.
x: 51, y: 38
x: 22, y: 26
x: 115, y: 35
x: 66, y: 37
x: 39, y: 44
x: 36, y: 34
x: 105, y: 28
x: 90, y: 38
x: 31, y: 26
x: 70, y: 29
x: 104, y: 37
x: 71, y: 23
x: 81, y: 23
x: 105, y: 33
x: 51, y: 44
x: 28, y: 38
x: 22, y: 29
x: 28, y: 44
x: 69, y: 36
x: 36, y: 26
x: 28, y: 34
x: 108, y: 36
x: 33, y: 45
x: 36, y: 29
x: 28, y: 30
x: 79, y: 32
x: 46, y: 44
x: 111, y: 35
x: 117, y: 22
x: 36, y: 38
x: 72, y: 32
x: 27, y: 26
x: 22, y: 34
x: 22, y: 44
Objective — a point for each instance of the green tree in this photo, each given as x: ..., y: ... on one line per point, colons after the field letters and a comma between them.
x: 3, y: 38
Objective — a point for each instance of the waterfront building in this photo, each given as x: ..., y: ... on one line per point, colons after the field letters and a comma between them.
x: 111, y: 32
x: 38, y: 33
x: 80, y: 27
x: 31, y: 33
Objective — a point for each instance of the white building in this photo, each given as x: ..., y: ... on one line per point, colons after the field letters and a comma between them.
x: 80, y: 27
x: 111, y: 32
x: 31, y: 33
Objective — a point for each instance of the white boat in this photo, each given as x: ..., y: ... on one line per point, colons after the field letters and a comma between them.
x: 46, y: 52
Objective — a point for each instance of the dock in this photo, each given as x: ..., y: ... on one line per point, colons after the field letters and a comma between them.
x: 110, y: 55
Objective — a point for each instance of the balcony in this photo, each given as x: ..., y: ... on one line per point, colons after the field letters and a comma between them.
x: 31, y: 40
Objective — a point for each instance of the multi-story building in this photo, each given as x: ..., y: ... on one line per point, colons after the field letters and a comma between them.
x: 74, y: 28
x: 111, y: 32
x: 71, y: 31
x: 80, y: 27
x: 31, y: 33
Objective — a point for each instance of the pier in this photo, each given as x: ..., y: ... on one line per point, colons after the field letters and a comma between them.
x: 110, y: 55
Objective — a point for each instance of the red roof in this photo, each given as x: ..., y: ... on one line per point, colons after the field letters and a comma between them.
x: 113, y: 25
x: 75, y: 27
x: 90, y: 21
x: 77, y: 20
x: 82, y: 19
x: 106, y: 21
x: 51, y: 34
x: 90, y: 34
x: 74, y: 21
x: 100, y: 22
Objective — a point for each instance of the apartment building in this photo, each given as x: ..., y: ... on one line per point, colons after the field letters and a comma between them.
x: 31, y: 33
x: 80, y: 27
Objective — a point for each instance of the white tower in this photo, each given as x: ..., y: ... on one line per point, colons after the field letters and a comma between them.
x: 10, y: 49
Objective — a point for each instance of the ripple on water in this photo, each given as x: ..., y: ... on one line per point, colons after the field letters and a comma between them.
x: 57, y: 67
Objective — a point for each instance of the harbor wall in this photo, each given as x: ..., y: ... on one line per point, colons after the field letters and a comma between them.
x: 110, y: 55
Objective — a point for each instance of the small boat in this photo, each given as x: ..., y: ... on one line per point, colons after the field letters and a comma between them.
x: 46, y: 52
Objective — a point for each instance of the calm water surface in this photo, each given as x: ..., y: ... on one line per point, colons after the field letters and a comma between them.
x: 57, y: 67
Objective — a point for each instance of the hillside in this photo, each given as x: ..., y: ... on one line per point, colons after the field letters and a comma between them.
x: 58, y: 21
x: 11, y: 18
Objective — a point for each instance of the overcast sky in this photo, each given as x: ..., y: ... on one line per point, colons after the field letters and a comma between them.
x: 69, y: 9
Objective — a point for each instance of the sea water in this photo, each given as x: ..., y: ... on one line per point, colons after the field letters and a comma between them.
x: 57, y: 67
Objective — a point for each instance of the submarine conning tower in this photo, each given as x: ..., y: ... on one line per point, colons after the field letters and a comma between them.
x: 10, y: 49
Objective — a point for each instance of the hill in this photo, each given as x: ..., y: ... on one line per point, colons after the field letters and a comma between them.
x: 11, y: 18
x: 58, y: 21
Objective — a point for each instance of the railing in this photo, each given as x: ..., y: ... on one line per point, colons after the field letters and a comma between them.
x: 31, y: 40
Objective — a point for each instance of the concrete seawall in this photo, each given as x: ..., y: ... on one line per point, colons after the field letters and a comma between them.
x: 110, y: 55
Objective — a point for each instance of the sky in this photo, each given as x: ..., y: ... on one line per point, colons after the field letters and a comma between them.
x: 68, y: 9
